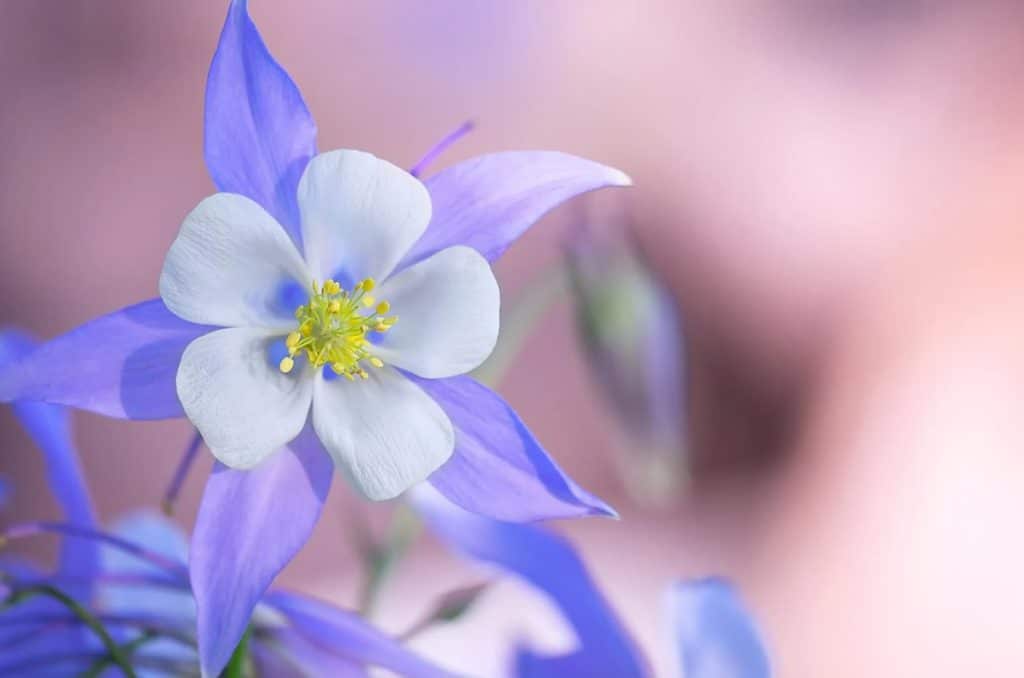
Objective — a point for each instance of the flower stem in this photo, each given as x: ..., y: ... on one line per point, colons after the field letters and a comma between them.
x: 382, y: 559
x: 239, y: 658
x: 114, y: 653
x: 180, y: 473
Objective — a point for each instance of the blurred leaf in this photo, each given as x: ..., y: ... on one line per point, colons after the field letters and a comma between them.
x: 450, y: 607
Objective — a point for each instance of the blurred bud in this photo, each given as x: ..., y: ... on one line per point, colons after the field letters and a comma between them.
x: 632, y: 337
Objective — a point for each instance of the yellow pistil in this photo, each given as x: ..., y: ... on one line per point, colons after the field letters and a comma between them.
x: 333, y: 326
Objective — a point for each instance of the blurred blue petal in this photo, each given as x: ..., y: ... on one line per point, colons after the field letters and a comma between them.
x: 250, y: 525
x: 348, y: 637
x: 155, y: 533
x: 259, y: 134
x: 499, y: 469
x: 489, y: 201
x: 716, y: 636
x: 50, y: 428
x: 122, y: 365
x: 549, y: 563
x: 5, y: 492
x: 290, y: 654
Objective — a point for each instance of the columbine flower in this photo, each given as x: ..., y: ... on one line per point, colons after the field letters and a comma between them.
x: 231, y: 265
x: 132, y: 584
x: 714, y: 635
x: 259, y: 142
x: 633, y: 339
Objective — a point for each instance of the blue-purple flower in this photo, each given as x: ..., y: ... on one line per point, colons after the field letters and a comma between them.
x: 174, y: 356
x: 714, y: 635
x: 633, y: 338
x: 132, y: 583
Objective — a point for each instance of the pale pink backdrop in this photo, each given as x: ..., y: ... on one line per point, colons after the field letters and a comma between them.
x: 788, y: 157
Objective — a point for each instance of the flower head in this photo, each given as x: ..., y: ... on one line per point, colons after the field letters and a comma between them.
x: 632, y: 334
x: 354, y: 313
x: 246, y: 260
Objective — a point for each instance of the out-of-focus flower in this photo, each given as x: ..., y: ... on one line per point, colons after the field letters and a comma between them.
x: 632, y: 337
x: 123, y: 598
x: 259, y: 142
x: 714, y: 636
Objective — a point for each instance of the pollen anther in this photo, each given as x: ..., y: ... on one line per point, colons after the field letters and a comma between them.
x: 333, y: 326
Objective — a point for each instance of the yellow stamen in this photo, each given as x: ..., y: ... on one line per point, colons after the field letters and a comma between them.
x: 333, y: 327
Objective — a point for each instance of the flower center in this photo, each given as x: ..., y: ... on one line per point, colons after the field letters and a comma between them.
x: 333, y: 326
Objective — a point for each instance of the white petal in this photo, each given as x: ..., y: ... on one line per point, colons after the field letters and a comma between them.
x: 360, y: 215
x: 383, y: 432
x: 447, y: 308
x: 228, y: 264
x: 243, y: 405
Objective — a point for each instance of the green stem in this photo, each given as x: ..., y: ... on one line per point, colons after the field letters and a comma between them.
x: 128, y: 649
x: 239, y: 658
x: 115, y: 655
x: 382, y: 559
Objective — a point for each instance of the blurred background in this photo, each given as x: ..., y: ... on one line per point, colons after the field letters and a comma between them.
x: 828, y: 194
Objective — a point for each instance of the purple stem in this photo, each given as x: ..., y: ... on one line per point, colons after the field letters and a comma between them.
x: 442, y: 146
x: 170, y: 565
x: 181, y: 472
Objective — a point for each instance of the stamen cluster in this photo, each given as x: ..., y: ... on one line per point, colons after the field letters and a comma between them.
x: 333, y: 326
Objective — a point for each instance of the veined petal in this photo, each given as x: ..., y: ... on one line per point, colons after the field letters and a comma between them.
x: 548, y: 563
x: 499, y: 469
x: 347, y: 635
x: 121, y: 365
x: 50, y: 428
x: 489, y: 201
x: 715, y: 635
x: 228, y: 265
x: 259, y: 135
x: 384, y: 433
x: 250, y: 525
x: 447, y: 308
x: 242, y: 404
x: 360, y: 214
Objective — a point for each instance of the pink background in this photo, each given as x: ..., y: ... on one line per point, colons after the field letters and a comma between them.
x: 830, y: 187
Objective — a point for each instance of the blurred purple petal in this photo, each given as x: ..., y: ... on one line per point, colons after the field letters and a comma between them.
x: 157, y: 534
x: 499, y: 469
x: 716, y: 636
x: 489, y: 201
x: 259, y: 134
x: 250, y: 525
x: 291, y: 655
x: 346, y: 635
x: 50, y: 428
x: 549, y: 563
x: 122, y: 365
